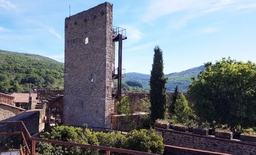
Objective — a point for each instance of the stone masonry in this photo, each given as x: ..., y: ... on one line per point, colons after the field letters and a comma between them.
x: 207, y: 143
x: 89, y: 62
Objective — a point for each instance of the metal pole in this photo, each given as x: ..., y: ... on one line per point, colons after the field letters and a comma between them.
x: 108, y: 152
x: 33, y: 147
x: 119, y: 91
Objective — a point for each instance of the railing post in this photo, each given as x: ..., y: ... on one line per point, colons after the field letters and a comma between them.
x: 107, y: 152
x: 33, y: 147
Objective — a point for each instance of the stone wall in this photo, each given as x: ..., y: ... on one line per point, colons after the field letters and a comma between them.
x: 7, y: 111
x: 176, y: 150
x: 89, y: 63
x: 135, y: 99
x: 208, y: 143
x: 31, y: 119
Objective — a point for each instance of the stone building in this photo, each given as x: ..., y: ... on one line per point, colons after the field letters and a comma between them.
x: 5, y: 98
x: 7, y: 111
x: 25, y: 100
x: 89, y: 64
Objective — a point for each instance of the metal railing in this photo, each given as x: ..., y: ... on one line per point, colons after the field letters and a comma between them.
x: 31, y: 149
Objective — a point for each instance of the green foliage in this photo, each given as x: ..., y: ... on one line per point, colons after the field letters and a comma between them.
x: 225, y: 93
x: 249, y: 131
x: 71, y: 134
x: 111, y: 139
x: 180, y: 79
x: 145, y: 105
x: 173, y: 101
x: 182, y: 112
x: 128, y: 87
x: 157, y: 87
x: 19, y: 72
x: 134, y: 83
x: 140, y: 140
x: 123, y: 106
x: 145, y: 140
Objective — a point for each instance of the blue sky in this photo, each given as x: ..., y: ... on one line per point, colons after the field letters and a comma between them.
x: 189, y: 32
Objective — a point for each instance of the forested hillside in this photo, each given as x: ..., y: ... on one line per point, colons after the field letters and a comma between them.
x: 182, y: 79
x: 20, y: 72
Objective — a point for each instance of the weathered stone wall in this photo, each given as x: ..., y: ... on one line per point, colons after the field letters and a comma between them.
x: 89, y: 62
x: 128, y: 122
x: 176, y: 150
x: 135, y: 99
x: 207, y: 143
x: 30, y: 118
x: 7, y: 111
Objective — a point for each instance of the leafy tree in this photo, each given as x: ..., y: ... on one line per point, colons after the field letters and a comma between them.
x: 18, y: 71
x: 225, y: 92
x: 145, y: 140
x: 140, y: 140
x: 157, y: 87
x: 173, y: 101
x: 134, y: 84
x: 182, y: 112
x: 111, y: 139
x: 145, y: 105
x: 123, y: 106
x: 71, y: 134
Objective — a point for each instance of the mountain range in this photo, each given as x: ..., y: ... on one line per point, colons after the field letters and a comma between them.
x: 19, y: 71
x: 181, y: 79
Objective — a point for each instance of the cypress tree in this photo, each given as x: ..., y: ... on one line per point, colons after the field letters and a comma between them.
x: 173, y: 101
x: 157, y: 87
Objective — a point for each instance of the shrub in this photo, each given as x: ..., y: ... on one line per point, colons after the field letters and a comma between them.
x: 145, y: 140
x: 140, y: 140
x: 71, y: 134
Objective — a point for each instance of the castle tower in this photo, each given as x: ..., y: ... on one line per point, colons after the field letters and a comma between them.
x: 89, y: 64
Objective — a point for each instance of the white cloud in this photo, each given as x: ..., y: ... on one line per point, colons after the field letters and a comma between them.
x: 190, y: 9
x: 147, y: 46
x: 133, y: 34
x: 2, y: 29
x: 47, y: 28
x: 247, y: 6
x: 7, y: 5
x: 157, y: 9
x: 207, y: 30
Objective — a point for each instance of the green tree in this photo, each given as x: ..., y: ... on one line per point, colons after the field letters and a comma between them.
x: 123, y: 106
x: 144, y: 105
x: 157, y: 87
x: 173, y: 101
x: 182, y: 112
x: 134, y: 83
x: 225, y: 92
x: 145, y: 140
x: 19, y: 70
x: 71, y: 134
x: 140, y: 140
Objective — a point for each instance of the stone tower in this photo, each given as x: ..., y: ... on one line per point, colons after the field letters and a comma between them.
x: 89, y: 64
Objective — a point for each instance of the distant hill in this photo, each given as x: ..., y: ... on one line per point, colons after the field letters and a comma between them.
x: 134, y: 75
x: 182, y: 79
x: 21, y: 71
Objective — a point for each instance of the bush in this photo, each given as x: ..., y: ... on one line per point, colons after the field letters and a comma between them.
x: 123, y: 106
x: 145, y: 140
x: 140, y: 140
x: 71, y: 134
x: 114, y: 139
